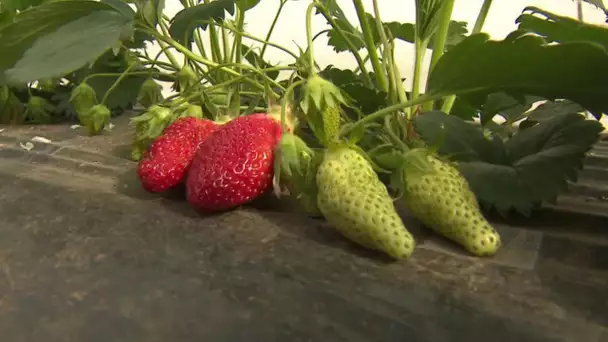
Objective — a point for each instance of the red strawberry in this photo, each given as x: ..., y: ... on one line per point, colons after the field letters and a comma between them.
x: 235, y: 164
x: 165, y: 163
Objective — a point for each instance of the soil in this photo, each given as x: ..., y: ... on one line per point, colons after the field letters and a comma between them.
x: 87, y: 255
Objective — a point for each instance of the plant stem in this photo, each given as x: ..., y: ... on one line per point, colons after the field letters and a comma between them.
x: 579, y: 10
x: 353, y: 49
x: 309, y: 41
x: 440, y: 38
x: 448, y: 102
x: 164, y: 47
x: 216, y: 51
x: 379, y: 71
x: 226, y: 45
x: 285, y: 101
x: 116, y: 83
x: 238, y: 39
x: 194, y: 57
x: 395, y: 84
x: 272, y: 26
x: 135, y: 73
x: 420, y: 46
x: 481, y: 17
x: 254, y: 38
x: 386, y: 111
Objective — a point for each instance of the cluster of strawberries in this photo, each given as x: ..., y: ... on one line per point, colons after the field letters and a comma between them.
x: 223, y: 165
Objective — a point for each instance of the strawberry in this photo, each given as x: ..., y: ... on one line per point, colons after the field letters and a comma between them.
x: 165, y: 163
x: 235, y: 164
x: 443, y: 201
x: 354, y: 200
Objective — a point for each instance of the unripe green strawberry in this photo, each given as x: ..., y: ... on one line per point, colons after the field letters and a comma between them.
x: 39, y: 110
x: 354, y: 200
x: 331, y: 123
x: 83, y: 98
x: 443, y: 201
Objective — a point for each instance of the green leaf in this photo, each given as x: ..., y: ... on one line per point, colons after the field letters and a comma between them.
x: 20, y: 5
x: 534, y: 166
x: 121, y: 7
x: 55, y: 38
x: 246, y: 5
x: 199, y: 16
x: 551, y: 109
x: 557, y: 28
x: 524, y: 65
x: 368, y: 99
x: 462, y: 140
x: 457, y: 31
x: 510, y: 108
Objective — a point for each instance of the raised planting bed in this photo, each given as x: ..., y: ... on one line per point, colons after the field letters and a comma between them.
x: 87, y: 255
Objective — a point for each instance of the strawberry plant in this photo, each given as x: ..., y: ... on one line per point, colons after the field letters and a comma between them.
x: 49, y: 99
x: 342, y: 143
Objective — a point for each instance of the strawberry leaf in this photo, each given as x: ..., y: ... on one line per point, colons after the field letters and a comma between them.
x: 523, y: 64
x: 199, y: 16
x: 557, y: 28
x: 55, y: 38
x: 534, y: 166
x: 246, y: 5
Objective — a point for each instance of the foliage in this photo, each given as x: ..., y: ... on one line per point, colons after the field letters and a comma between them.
x: 549, y: 58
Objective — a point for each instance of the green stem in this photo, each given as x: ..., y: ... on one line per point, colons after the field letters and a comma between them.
x: 385, y: 111
x: 579, y: 10
x: 238, y: 39
x: 135, y: 73
x: 285, y: 102
x: 392, y: 135
x: 481, y: 17
x: 164, y: 46
x: 226, y: 45
x: 198, y: 40
x: 389, y: 60
x: 116, y: 83
x: 448, y: 102
x: 259, y: 40
x: 216, y: 52
x: 311, y: 54
x: 351, y: 46
x: 272, y: 26
x: 420, y: 46
x: 379, y: 72
x: 440, y: 38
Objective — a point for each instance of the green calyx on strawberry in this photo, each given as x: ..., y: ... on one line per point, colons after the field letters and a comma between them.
x: 166, y: 162
x: 439, y: 196
x: 321, y: 103
x: 355, y: 202
x: 149, y: 126
x: 95, y: 118
x: 186, y: 79
x: 150, y: 93
x: 295, y: 169
x: 234, y: 165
